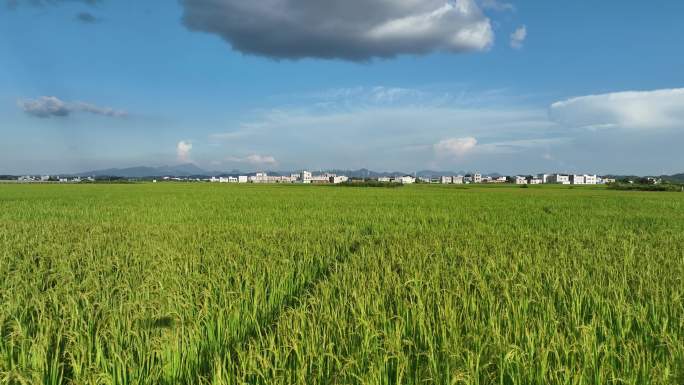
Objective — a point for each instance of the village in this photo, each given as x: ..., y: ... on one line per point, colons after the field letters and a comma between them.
x: 307, y: 177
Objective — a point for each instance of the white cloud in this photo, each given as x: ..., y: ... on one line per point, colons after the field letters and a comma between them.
x: 51, y: 106
x: 455, y: 146
x: 518, y: 37
x: 633, y: 110
x: 183, y: 149
x: 345, y: 29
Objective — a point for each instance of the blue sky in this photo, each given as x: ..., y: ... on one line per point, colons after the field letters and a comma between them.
x: 494, y: 86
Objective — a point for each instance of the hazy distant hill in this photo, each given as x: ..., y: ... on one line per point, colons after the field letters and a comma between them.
x: 679, y: 178
x: 183, y: 170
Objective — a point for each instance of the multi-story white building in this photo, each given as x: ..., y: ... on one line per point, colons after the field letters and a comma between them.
x: 558, y: 179
x: 535, y: 181
x: 457, y: 179
x: 384, y: 179
x: 447, y: 180
x: 577, y: 179
x: 590, y: 179
x: 305, y: 177
x: 519, y: 179
x: 260, y: 177
x: 243, y: 179
x: 477, y: 178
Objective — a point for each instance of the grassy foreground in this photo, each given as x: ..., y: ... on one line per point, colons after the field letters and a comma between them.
x: 217, y: 284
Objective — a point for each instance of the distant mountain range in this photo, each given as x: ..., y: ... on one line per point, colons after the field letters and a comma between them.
x: 191, y: 170
x: 183, y: 170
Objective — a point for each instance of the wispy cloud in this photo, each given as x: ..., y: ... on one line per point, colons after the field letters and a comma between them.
x: 254, y: 160
x: 53, y: 107
x: 518, y: 37
x: 632, y: 110
x: 403, y: 129
x: 386, y: 127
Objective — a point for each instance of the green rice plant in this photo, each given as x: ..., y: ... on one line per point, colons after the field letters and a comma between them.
x: 214, y: 284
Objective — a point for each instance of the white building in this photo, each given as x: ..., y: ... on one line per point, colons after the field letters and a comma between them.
x: 260, y: 177
x: 577, y: 179
x: 535, y: 181
x: 590, y: 179
x: 384, y: 179
x: 339, y: 179
x: 323, y: 178
x: 406, y: 179
x: 477, y: 178
x: 558, y: 179
x: 457, y: 179
x: 519, y: 179
x: 544, y: 177
x: 305, y: 177
x: 243, y: 179
x: 447, y: 180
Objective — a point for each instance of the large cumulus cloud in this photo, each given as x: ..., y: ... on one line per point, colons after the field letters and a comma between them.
x: 342, y: 29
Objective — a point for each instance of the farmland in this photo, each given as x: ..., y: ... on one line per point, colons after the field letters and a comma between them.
x: 217, y: 284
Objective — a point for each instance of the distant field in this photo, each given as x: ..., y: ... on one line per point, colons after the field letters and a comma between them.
x: 226, y: 284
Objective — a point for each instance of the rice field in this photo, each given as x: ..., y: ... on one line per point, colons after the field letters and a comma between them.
x: 267, y: 284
